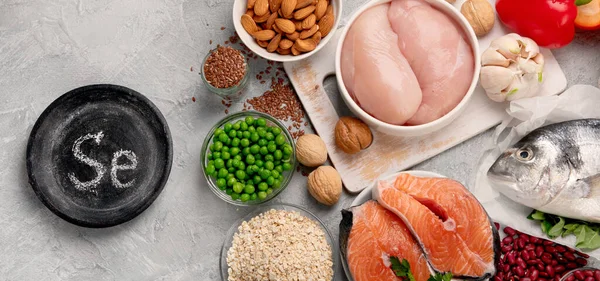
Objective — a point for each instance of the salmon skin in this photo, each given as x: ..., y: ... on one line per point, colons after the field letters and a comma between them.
x: 370, y: 235
x: 429, y: 217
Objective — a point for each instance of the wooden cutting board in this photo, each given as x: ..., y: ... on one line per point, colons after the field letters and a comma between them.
x: 390, y: 154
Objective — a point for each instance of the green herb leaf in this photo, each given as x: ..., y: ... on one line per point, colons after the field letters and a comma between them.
x: 401, y: 268
x: 587, y: 238
x: 557, y: 229
x: 536, y: 215
x: 447, y: 276
x: 582, y: 2
x: 587, y: 234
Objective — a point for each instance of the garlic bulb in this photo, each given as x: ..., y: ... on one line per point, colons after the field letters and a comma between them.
x: 512, y: 68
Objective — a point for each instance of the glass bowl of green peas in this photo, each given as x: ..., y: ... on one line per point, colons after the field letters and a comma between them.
x: 248, y: 158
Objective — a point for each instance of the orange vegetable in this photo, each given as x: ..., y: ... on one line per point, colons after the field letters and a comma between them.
x: 588, y: 16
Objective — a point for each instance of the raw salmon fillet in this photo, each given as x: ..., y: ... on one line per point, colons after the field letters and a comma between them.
x: 438, y: 54
x: 375, y: 235
x: 453, y: 201
x: 444, y: 248
x: 375, y: 72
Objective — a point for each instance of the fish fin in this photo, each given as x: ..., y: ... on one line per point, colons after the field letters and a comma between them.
x: 593, y: 183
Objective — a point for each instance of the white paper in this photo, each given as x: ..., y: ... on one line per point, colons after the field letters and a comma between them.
x: 577, y: 102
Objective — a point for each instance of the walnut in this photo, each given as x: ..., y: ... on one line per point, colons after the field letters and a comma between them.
x: 311, y: 150
x: 325, y: 185
x: 352, y: 135
x: 480, y: 15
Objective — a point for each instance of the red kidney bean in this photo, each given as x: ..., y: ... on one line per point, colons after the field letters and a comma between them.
x: 506, y: 268
x: 516, y: 246
x: 529, y: 247
x: 582, y: 255
x: 554, y: 262
x: 510, y: 257
x: 581, y: 261
x: 571, y: 278
x: 525, y: 279
x: 539, y: 250
x: 506, y: 249
x: 534, y: 275
x: 534, y: 240
x: 571, y: 265
x: 561, y: 260
x: 559, y: 269
x: 521, y: 243
x: 569, y: 256
x: 507, y: 240
x: 589, y: 278
x: 532, y: 262
x: 548, y: 243
x: 543, y: 274
x: 588, y: 273
x: 579, y: 275
x: 540, y: 266
x: 497, y: 278
x: 597, y: 275
x: 547, y: 258
x: 519, y: 271
x: 550, y: 249
x: 560, y: 248
x: 542, y: 279
x: 550, y: 271
x: 521, y: 263
x: 497, y: 225
x: 509, y: 231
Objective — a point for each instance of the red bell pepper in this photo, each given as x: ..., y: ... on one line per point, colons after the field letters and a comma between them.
x: 550, y: 23
x: 588, y: 16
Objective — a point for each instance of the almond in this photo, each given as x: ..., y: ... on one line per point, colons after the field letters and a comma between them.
x: 264, y: 35
x: 263, y: 44
x: 294, y: 51
x: 326, y: 24
x: 287, y: 8
x: 285, y: 25
x: 250, y: 12
x: 298, y: 25
x: 308, y: 33
x: 274, y: 44
x: 261, y: 19
x: 320, y: 9
x: 274, y: 5
x: 303, y: 3
x: 302, y: 13
x: 294, y: 36
x: 317, y: 38
x: 285, y: 44
x: 329, y: 10
x: 284, y: 51
x: 279, y: 13
x: 305, y: 45
x: 309, y: 21
x: 261, y: 7
x: 276, y: 29
x: 248, y: 24
x: 271, y: 21
x: 250, y: 4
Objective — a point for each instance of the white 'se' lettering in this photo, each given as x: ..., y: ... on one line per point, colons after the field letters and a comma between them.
x: 99, y: 168
x: 115, y: 167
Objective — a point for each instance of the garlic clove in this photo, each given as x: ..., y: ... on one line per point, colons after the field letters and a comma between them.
x: 529, y: 48
x: 539, y: 59
x: 507, y: 45
x: 493, y: 57
x: 528, y: 66
x: 522, y: 87
x: 494, y: 79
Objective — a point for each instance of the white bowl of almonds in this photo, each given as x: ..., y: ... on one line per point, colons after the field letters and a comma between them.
x: 286, y: 30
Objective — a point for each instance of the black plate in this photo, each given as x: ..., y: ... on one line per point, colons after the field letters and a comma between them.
x: 99, y: 186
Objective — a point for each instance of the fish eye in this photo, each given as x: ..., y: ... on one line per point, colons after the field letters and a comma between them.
x: 524, y: 154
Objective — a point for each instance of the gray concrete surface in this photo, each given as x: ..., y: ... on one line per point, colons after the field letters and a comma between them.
x: 48, y: 47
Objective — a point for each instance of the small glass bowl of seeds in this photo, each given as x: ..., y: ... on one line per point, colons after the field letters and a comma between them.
x: 225, y: 72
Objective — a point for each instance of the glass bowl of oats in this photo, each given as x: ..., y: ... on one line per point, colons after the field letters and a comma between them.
x: 279, y: 242
x: 225, y: 72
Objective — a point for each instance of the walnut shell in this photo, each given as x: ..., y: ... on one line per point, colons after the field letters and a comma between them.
x: 325, y: 185
x: 352, y: 135
x: 311, y: 150
x: 480, y: 15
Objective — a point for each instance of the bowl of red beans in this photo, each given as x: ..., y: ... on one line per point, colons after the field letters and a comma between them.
x: 248, y: 158
x: 582, y: 274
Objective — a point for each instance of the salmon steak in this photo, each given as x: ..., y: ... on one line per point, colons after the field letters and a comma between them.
x: 435, y: 231
x: 370, y: 235
x: 470, y: 219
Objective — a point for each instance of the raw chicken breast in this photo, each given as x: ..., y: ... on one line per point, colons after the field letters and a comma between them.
x: 438, y: 54
x: 374, y: 71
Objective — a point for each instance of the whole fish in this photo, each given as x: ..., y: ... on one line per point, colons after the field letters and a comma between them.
x: 554, y: 169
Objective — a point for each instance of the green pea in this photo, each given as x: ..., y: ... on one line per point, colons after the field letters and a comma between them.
x: 219, y: 163
x: 249, y: 170
x: 245, y: 142
x: 250, y: 159
x: 222, y: 173
x: 249, y: 120
x: 209, y: 156
x: 225, y: 149
x: 268, y: 157
x: 223, y: 137
x: 262, y: 132
x: 231, y: 181
x: 238, y: 157
x: 258, y: 156
x: 262, y: 142
x: 217, y: 146
x: 276, y: 131
x: 275, y: 174
x: 277, y: 162
x: 232, y: 133
x: 210, y: 162
x: 250, y: 182
x: 254, y: 137
x: 217, y: 155
x: 238, y: 134
x: 228, y: 141
x: 246, y: 151
x: 254, y: 149
x: 231, y: 170
x: 264, y: 174
x: 235, y: 196
x: 278, y: 154
x: 236, y: 126
x: 277, y: 183
x: 287, y: 149
x: 235, y: 163
x: 279, y: 169
x: 235, y: 142
x: 263, y: 150
x: 269, y: 191
x: 214, y: 174
x: 251, y: 129
x: 261, y: 122
x: 269, y: 136
x: 221, y: 183
x: 269, y: 129
x: 210, y: 168
x: 229, y: 191
x: 240, y: 174
x: 270, y: 180
x: 227, y: 127
x: 249, y: 189
x: 271, y: 147
x: 255, y: 168
x: 263, y: 186
x: 244, y: 126
x: 234, y: 151
x: 246, y: 134
x: 229, y: 163
x: 230, y: 176
x: 257, y: 179
x: 225, y: 155
x: 259, y: 163
x: 280, y: 139
x: 238, y: 187
x: 287, y: 166
x: 244, y: 197
x: 218, y: 131
x: 269, y: 165
x: 286, y: 157
x: 242, y: 166
x: 262, y: 195
x: 253, y: 196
